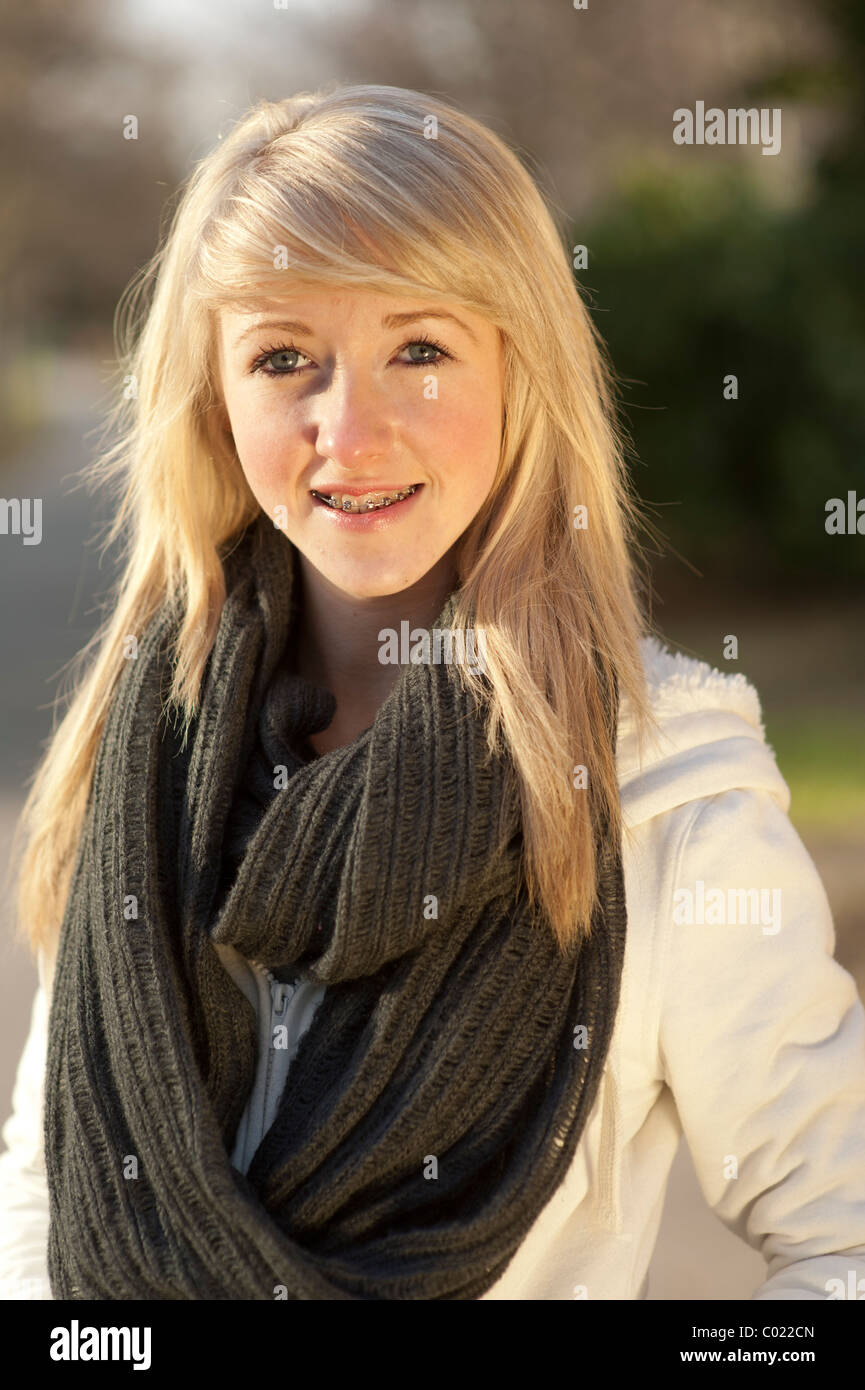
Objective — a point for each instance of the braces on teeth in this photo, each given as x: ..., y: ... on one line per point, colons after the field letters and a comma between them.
x: 371, y: 501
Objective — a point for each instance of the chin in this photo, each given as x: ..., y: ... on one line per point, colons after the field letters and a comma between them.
x: 380, y: 584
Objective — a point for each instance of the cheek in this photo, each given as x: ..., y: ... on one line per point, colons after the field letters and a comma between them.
x: 467, y: 440
x: 265, y: 446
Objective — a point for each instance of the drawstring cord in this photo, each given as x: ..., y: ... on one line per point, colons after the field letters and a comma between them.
x: 609, y: 1161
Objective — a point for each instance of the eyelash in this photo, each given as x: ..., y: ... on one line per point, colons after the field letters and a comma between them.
x: 259, y: 363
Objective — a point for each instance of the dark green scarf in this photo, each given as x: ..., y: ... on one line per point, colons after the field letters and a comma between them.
x: 434, y: 1104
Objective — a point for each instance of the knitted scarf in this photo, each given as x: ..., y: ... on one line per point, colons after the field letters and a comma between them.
x: 437, y: 1098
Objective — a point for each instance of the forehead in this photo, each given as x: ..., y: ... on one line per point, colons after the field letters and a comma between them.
x: 306, y: 308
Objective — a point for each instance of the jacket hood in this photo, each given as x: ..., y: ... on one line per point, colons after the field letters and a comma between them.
x: 711, y: 738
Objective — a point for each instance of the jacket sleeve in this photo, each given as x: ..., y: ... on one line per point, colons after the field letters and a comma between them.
x: 762, y: 1040
x: 23, y: 1182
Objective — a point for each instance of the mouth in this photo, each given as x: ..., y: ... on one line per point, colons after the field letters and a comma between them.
x: 362, y: 503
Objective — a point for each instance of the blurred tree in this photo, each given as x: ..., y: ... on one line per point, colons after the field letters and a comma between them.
x: 82, y: 204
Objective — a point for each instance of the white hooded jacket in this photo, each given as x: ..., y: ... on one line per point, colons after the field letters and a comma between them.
x: 735, y: 1024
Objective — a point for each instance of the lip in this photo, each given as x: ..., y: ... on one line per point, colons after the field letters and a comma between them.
x: 367, y: 521
x: 331, y: 488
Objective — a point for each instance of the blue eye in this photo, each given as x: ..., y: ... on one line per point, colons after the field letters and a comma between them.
x: 284, y: 350
x: 426, y: 361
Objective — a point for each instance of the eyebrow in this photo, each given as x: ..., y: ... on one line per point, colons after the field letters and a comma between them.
x: 389, y: 321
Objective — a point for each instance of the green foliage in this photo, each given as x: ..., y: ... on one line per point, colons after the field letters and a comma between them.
x: 822, y: 759
x: 696, y: 275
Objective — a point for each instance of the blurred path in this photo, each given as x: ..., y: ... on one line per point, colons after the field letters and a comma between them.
x: 46, y: 616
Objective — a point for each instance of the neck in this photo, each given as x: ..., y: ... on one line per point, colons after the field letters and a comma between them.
x: 337, y: 642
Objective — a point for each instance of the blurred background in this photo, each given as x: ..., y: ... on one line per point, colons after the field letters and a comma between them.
x: 702, y: 261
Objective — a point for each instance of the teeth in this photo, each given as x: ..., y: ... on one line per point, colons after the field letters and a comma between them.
x: 366, y: 502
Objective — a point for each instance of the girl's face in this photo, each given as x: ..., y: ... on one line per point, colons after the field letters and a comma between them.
x: 356, y: 397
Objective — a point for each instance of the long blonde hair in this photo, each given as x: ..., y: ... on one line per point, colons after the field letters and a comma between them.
x: 400, y: 192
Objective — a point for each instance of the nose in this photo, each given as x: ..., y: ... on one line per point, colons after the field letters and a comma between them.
x: 356, y: 424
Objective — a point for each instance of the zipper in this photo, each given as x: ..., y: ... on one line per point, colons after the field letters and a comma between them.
x: 281, y: 993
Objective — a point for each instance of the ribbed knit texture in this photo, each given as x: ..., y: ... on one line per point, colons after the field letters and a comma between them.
x: 446, y: 1038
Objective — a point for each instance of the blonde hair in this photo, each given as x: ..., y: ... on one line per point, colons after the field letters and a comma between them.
x: 400, y: 192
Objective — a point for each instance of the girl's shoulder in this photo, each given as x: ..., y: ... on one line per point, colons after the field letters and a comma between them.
x: 709, y: 738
